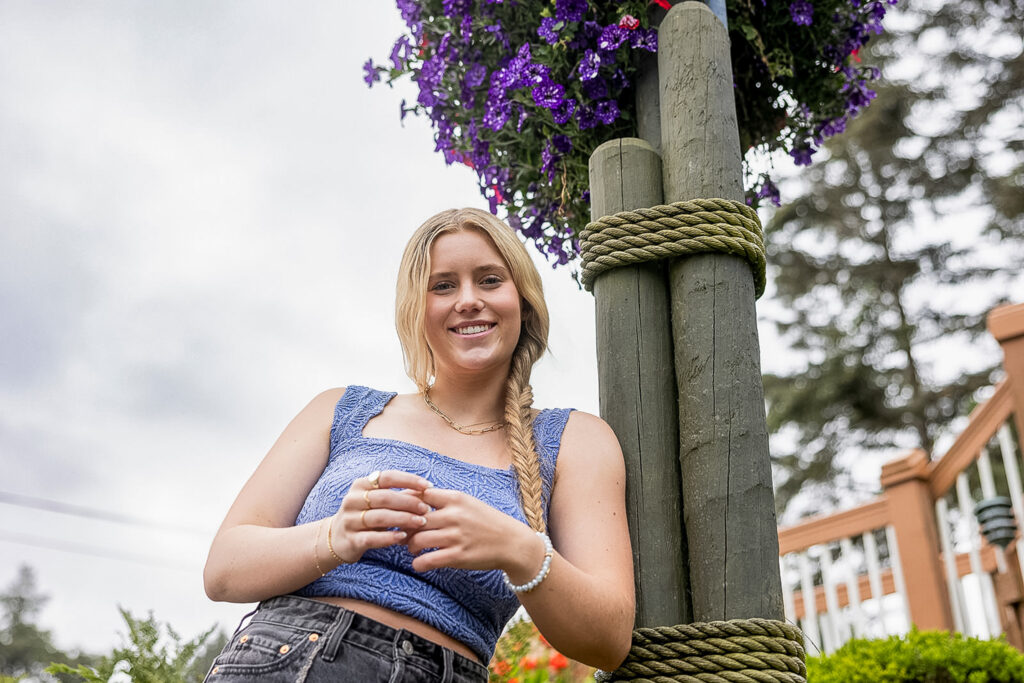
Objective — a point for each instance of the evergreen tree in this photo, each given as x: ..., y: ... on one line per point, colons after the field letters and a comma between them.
x: 874, y: 287
x: 25, y: 649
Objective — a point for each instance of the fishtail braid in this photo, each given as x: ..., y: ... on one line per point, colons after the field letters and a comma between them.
x: 519, y: 432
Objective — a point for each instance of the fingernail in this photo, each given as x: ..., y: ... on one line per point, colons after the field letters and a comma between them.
x: 401, y: 534
x: 424, y: 508
x: 420, y: 520
x: 427, y: 484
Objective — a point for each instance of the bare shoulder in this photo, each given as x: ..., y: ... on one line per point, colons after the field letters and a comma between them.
x: 588, y: 441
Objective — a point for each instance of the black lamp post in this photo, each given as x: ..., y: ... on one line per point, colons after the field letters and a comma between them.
x: 995, y: 516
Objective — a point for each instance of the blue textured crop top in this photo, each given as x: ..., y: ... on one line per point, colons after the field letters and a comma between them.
x: 469, y: 605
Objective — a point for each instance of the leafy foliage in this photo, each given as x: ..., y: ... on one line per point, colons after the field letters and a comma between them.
x: 523, y: 92
x: 874, y: 287
x: 934, y: 656
x: 153, y: 653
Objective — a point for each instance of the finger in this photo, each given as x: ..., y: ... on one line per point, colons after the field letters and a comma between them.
x: 395, y: 500
x: 424, y: 539
x: 396, y: 479
x: 382, y: 519
x: 433, y: 560
x: 381, y: 539
x: 436, y: 497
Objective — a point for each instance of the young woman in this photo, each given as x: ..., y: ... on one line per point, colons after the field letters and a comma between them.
x: 391, y: 537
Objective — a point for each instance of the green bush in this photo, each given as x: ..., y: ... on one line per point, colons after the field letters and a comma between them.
x: 919, y: 656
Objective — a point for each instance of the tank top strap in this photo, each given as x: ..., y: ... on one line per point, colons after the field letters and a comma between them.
x: 353, y: 410
x: 547, y: 435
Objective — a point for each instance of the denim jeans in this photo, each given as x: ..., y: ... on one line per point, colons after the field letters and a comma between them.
x: 297, y: 639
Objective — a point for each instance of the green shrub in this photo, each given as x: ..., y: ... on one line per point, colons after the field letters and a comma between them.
x: 919, y: 656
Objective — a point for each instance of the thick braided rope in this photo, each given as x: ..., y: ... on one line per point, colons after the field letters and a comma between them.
x: 679, y: 229
x: 735, y: 651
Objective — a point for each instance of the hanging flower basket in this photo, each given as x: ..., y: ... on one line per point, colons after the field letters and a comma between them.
x: 523, y: 91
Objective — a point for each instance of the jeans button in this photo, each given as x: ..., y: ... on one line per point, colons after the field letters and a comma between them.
x: 407, y: 647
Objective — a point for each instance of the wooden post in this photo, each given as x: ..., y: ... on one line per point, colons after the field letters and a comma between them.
x: 912, y: 511
x: 637, y: 387
x: 1006, y: 324
x: 729, y: 507
x: 1010, y: 596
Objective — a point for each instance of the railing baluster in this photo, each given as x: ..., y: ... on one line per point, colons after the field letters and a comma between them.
x: 852, y: 588
x: 949, y: 559
x: 989, y: 607
x: 897, y: 573
x: 836, y: 628
x: 988, y: 490
x: 788, y: 605
x: 1013, y: 481
x: 875, y: 577
x: 810, y: 620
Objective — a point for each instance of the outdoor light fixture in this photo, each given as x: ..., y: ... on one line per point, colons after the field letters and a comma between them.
x: 995, y: 516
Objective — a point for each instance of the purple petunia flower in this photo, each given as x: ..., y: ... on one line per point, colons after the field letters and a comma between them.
x: 802, y: 12
x: 549, y: 29
x: 596, y: 88
x: 770, y: 191
x: 475, y: 75
x: 561, y: 143
x: 400, y: 52
x: 607, y: 111
x: 549, y: 94
x: 589, y: 65
x: 372, y: 75
x: 644, y: 39
x: 570, y: 10
x: 612, y: 37
x: 801, y: 155
x: 586, y: 117
x: 563, y: 113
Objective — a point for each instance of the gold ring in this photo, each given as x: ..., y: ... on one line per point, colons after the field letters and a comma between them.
x: 362, y: 516
x: 366, y: 497
x: 374, y: 479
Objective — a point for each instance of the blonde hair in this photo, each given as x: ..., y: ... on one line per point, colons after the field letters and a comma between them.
x: 410, y: 310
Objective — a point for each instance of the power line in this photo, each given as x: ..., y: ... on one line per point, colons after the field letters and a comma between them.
x: 83, y: 549
x: 21, y: 500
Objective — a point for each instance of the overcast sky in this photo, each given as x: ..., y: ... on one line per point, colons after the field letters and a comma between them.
x: 202, y: 208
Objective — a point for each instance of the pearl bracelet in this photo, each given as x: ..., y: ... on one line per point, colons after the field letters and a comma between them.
x: 545, y: 567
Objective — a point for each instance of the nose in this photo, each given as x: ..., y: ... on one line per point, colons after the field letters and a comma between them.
x: 468, y: 299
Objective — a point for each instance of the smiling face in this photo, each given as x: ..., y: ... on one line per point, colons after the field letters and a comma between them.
x: 473, y: 312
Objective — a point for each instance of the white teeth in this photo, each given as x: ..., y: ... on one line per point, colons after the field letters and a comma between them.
x: 472, y: 329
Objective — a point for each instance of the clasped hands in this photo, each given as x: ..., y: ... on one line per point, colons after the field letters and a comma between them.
x: 441, y: 527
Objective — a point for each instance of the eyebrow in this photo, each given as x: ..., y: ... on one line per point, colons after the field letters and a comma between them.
x: 489, y: 267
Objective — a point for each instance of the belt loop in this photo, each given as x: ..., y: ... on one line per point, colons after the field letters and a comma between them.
x: 244, y: 617
x: 336, y: 633
x: 449, y: 669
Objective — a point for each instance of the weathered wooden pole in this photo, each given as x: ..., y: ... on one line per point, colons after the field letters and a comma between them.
x: 637, y: 387
x: 728, y: 501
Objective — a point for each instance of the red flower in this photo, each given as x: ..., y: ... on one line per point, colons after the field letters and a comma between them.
x: 529, y: 663
x: 558, y: 661
x: 542, y: 639
x: 664, y: 4
x: 501, y: 667
x: 628, y: 21
x: 856, y: 57
x: 498, y: 194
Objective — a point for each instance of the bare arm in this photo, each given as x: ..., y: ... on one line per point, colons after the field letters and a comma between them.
x: 585, y: 606
x: 258, y: 553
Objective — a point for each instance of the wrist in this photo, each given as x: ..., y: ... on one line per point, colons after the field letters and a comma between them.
x: 536, y: 572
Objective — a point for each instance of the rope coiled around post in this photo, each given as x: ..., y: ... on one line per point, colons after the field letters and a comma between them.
x: 735, y: 651
x: 668, y: 231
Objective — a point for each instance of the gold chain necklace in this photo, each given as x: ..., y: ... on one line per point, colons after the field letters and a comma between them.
x: 455, y: 425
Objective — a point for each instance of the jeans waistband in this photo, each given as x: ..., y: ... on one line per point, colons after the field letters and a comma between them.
x: 338, y: 624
